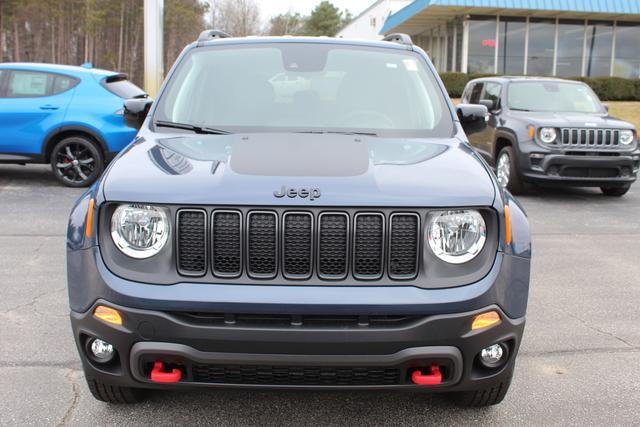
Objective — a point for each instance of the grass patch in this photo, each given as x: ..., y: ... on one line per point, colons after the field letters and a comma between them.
x: 625, y: 110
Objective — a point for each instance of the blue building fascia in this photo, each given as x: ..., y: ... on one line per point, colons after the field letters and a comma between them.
x: 582, y: 6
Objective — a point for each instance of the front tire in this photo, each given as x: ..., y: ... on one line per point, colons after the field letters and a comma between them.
x: 615, y: 191
x: 482, y: 397
x: 113, y: 393
x: 77, y: 161
x: 507, y: 172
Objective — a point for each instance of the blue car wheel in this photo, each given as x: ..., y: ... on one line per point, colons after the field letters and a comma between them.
x: 76, y: 161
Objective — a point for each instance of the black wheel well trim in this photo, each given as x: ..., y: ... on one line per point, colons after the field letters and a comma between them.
x: 61, y: 132
x: 510, y: 140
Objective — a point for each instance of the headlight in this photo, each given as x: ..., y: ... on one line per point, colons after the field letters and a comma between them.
x: 626, y: 137
x: 548, y: 135
x: 457, y: 236
x: 139, y: 231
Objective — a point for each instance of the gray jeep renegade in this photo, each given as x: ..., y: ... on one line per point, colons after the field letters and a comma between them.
x: 546, y: 130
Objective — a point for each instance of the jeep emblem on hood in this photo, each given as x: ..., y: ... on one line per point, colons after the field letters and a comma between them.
x: 311, y: 193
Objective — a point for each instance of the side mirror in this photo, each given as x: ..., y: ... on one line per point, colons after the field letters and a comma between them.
x: 489, y: 103
x: 136, y: 110
x: 606, y: 107
x: 473, y: 117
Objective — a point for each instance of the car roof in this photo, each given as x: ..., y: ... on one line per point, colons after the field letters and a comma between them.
x: 503, y: 79
x: 304, y: 39
x: 68, y: 69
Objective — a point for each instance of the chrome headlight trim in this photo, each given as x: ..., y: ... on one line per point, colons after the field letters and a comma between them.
x: 140, y: 231
x: 456, y: 236
x: 626, y: 137
x: 548, y: 135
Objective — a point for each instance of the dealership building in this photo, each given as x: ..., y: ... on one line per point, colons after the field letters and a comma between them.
x: 565, y: 38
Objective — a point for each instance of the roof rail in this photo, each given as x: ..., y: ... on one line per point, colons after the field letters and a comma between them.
x: 399, y: 38
x: 212, y: 34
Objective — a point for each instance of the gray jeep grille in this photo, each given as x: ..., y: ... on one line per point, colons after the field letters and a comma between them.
x: 299, y: 245
x: 590, y: 138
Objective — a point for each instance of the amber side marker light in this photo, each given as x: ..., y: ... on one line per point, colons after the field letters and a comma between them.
x: 107, y: 314
x: 507, y: 225
x: 485, y: 320
x: 88, y: 231
x: 532, y: 132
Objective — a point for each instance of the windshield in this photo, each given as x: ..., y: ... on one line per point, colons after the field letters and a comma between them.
x: 306, y: 87
x: 553, y: 96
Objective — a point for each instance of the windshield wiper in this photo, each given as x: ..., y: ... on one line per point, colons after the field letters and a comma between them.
x: 192, y: 128
x: 346, y: 132
x: 519, y: 109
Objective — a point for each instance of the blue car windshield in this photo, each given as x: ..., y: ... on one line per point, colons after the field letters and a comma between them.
x: 552, y: 96
x: 306, y: 87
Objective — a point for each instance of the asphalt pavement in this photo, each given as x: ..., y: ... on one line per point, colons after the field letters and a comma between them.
x: 579, y: 363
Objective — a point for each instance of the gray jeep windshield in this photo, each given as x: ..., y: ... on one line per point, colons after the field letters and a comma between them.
x: 553, y: 96
x: 306, y: 87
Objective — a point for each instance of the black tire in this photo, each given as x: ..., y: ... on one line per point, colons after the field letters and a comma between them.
x: 615, y: 191
x: 113, y: 393
x: 77, y: 161
x: 514, y: 182
x: 482, y: 397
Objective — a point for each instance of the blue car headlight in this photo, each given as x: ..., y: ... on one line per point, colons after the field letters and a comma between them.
x: 140, y: 231
x: 457, y: 236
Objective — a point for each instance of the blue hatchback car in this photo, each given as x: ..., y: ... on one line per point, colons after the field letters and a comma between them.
x: 69, y: 116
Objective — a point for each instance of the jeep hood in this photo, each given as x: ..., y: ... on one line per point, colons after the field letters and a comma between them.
x: 246, y: 169
x: 578, y: 120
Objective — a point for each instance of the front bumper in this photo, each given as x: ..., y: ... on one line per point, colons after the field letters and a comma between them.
x: 297, y: 354
x: 589, y: 169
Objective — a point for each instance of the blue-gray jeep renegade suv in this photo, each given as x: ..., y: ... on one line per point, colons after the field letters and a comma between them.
x: 299, y: 213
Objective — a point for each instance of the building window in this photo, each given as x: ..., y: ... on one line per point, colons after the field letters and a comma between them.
x: 598, y: 52
x: 627, y: 57
x: 482, y: 45
x: 511, y: 45
x: 372, y: 21
x: 570, y: 45
x: 542, y: 34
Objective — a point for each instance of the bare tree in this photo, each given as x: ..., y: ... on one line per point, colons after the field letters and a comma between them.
x: 238, y: 17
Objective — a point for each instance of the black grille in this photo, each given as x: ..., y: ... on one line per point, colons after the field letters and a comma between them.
x: 368, y: 247
x: 192, y: 246
x: 227, y: 243
x: 590, y: 138
x: 403, y: 246
x: 286, y: 244
x: 333, y: 245
x: 262, y: 244
x: 294, y: 375
x: 297, y: 245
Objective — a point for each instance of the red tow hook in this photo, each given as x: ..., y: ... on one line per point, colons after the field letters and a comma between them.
x: 159, y: 376
x: 435, y: 377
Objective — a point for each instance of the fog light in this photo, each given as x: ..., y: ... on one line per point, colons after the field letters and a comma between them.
x: 101, y: 350
x: 493, y: 355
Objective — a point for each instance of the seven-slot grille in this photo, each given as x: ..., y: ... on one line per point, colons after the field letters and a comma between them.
x: 590, y: 138
x: 299, y: 244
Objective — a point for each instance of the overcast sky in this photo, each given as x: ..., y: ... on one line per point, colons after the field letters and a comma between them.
x: 269, y: 8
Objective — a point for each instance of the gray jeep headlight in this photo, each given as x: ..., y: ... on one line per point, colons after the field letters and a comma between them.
x: 548, y: 135
x: 139, y: 231
x: 457, y: 236
x: 626, y: 137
